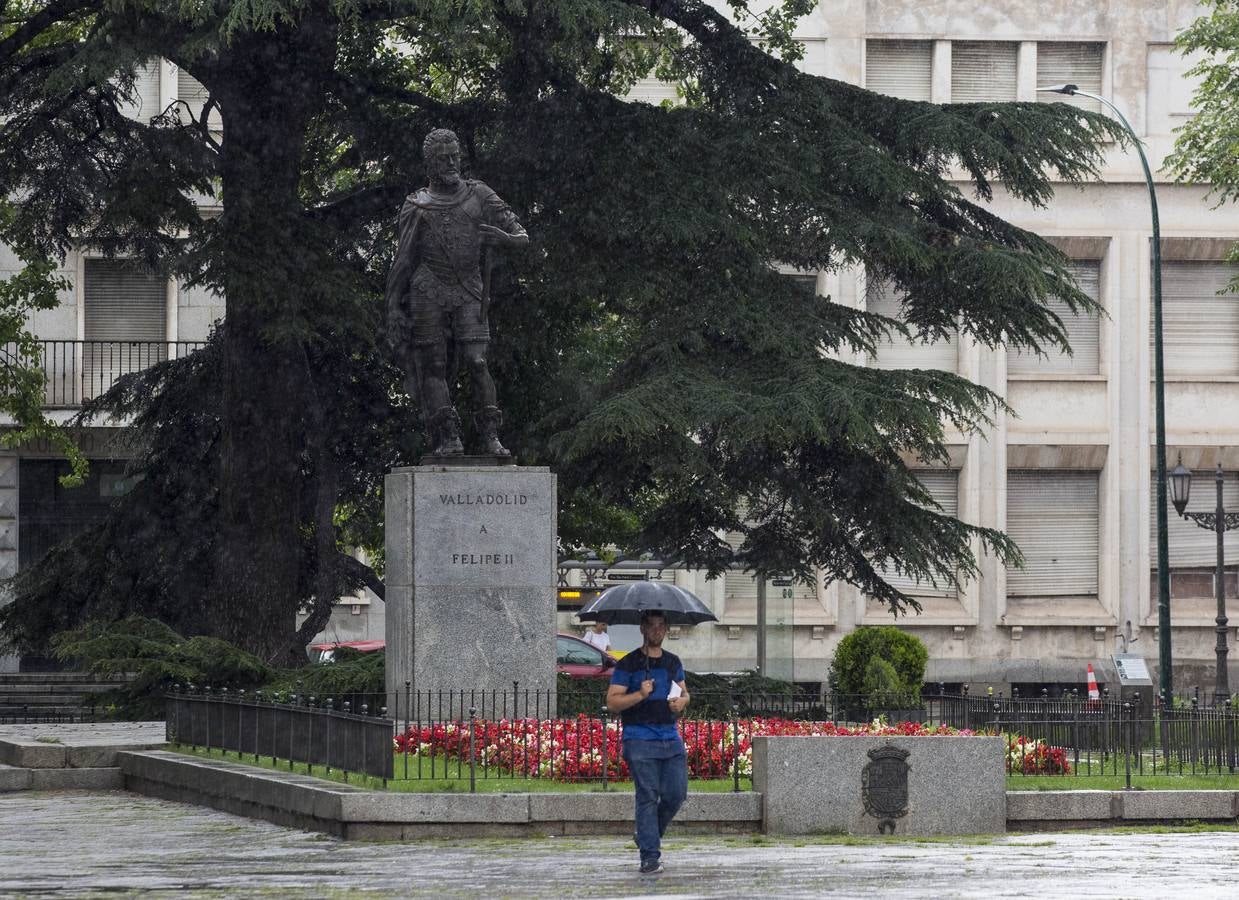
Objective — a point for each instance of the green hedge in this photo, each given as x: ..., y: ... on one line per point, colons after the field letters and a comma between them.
x: 900, y: 670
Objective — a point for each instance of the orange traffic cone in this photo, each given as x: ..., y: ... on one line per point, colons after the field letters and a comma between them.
x: 1093, y: 692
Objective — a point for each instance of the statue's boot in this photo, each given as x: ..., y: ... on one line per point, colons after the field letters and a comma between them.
x: 445, y: 429
x: 488, y: 422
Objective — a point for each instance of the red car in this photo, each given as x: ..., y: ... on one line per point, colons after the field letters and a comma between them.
x: 326, y: 652
x: 577, y: 659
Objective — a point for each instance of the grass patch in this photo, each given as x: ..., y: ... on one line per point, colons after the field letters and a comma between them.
x: 1119, y: 782
x: 453, y: 785
x: 48, y: 739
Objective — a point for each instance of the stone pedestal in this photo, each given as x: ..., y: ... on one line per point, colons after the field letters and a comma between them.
x: 470, y: 578
x: 873, y: 785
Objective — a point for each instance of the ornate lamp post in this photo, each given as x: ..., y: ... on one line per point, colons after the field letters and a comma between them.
x: 1219, y: 521
x: 1165, y: 684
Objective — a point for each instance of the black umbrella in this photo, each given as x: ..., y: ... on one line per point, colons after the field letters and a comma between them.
x: 624, y: 603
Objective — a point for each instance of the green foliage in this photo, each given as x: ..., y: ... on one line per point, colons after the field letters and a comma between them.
x: 349, y: 672
x: 33, y: 288
x: 156, y: 657
x: 1205, y: 146
x: 646, y: 347
x: 881, y: 658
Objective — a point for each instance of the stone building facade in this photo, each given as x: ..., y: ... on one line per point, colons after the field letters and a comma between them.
x: 1069, y: 473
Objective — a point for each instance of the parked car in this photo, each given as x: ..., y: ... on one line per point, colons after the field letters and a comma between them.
x: 326, y: 652
x: 577, y: 659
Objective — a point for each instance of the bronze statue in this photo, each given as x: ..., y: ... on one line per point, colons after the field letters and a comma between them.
x: 438, y: 292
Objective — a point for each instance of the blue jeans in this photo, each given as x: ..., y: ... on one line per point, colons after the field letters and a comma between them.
x: 660, y: 775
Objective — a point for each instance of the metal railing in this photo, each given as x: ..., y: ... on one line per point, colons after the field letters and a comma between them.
x: 564, y: 735
x: 77, y: 371
x: 330, y: 735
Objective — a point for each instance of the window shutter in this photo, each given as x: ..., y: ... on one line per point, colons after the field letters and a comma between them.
x: 145, y: 103
x: 943, y: 485
x: 1200, y: 328
x: 1083, y: 333
x: 740, y: 588
x: 983, y: 71
x: 125, y: 322
x: 898, y: 352
x: 1191, y: 545
x: 899, y: 68
x: 1053, y: 518
x: 1070, y: 63
x: 194, y: 94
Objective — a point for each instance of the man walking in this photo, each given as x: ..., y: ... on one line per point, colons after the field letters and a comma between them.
x: 647, y: 688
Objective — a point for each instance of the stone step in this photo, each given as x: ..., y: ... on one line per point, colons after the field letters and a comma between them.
x: 61, y: 678
x: 30, y: 690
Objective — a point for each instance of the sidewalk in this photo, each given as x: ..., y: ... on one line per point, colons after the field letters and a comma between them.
x: 86, y: 844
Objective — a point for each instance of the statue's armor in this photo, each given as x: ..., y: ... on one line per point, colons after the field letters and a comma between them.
x: 449, y: 274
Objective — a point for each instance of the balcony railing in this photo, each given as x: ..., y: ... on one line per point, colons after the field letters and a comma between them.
x: 77, y: 371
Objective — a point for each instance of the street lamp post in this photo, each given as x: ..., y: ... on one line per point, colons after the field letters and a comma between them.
x: 1159, y: 395
x: 1219, y: 522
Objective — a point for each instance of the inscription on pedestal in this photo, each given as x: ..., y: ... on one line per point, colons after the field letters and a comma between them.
x: 471, y: 575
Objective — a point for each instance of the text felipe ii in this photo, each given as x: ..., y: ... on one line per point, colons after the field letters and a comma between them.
x: 483, y: 499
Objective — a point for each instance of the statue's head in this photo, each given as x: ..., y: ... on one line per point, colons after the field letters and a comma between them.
x: 441, y: 152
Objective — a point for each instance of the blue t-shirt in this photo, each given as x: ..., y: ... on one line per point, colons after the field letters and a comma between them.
x: 651, y: 719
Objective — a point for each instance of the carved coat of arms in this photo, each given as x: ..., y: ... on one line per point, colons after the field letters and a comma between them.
x: 884, y: 785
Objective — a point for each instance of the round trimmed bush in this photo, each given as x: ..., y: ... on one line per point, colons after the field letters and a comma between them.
x: 852, y: 674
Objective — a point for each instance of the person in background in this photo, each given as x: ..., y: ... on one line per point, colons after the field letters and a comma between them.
x: 647, y: 688
x: 598, y: 637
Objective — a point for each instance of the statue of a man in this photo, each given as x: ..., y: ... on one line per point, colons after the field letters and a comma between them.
x: 438, y: 292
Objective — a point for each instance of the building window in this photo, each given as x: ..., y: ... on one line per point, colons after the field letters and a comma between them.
x: 1053, y: 517
x: 899, y: 352
x: 126, y: 320
x: 805, y: 281
x: 50, y: 514
x: 1083, y: 333
x: 1193, y: 550
x: 899, y: 68
x: 943, y: 486
x: 983, y: 71
x: 191, y: 92
x: 143, y: 104
x: 1070, y: 63
x: 1200, y: 327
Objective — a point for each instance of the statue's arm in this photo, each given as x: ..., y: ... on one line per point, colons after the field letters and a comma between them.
x: 499, y: 215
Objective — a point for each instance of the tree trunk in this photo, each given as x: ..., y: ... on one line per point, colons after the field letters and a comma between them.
x: 258, y: 583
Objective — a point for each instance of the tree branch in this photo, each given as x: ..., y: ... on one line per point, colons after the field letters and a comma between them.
x: 367, y: 203
x: 44, y: 18
x: 355, y: 570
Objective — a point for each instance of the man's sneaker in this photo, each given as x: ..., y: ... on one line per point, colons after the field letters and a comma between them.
x: 651, y: 867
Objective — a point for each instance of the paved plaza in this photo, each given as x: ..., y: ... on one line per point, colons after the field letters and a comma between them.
x: 87, y: 844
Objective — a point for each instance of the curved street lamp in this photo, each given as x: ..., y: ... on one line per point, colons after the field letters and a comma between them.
x: 1219, y: 521
x: 1159, y: 394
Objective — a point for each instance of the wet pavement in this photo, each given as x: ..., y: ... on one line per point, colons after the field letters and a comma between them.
x: 92, y: 844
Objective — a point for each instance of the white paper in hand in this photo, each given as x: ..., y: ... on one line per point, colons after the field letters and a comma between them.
x: 674, y: 691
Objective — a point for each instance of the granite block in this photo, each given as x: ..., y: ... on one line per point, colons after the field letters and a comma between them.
x: 1162, y: 805
x: 954, y: 785
x: 471, y: 598
x: 739, y: 807
x: 109, y: 779
x: 31, y: 754
x: 1059, y: 806
x: 12, y: 779
x: 446, y: 808
x: 611, y: 806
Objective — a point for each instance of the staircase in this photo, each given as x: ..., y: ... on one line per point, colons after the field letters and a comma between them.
x: 52, y: 696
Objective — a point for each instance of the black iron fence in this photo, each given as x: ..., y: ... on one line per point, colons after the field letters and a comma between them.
x: 77, y: 371
x: 331, y: 735
x: 569, y: 735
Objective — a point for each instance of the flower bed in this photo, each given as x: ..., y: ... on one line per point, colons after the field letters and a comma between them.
x: 1029, y: 756
x: 573, y: 749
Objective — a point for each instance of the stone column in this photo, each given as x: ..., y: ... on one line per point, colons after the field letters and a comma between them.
x: 471, y: 556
